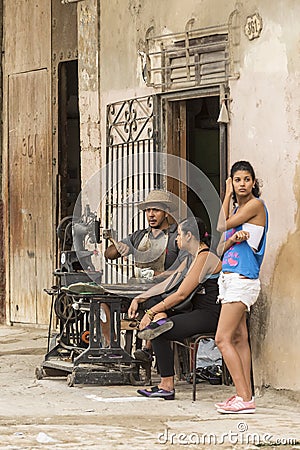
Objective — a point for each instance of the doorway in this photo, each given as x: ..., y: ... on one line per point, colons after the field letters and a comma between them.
x: 69, y: 167
x: 194, y: 134
x: 203, y: 146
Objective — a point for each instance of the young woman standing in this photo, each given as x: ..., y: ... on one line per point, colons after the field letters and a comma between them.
x: 243, y: 247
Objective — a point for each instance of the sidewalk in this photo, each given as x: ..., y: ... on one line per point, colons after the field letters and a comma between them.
x: 50, y: 415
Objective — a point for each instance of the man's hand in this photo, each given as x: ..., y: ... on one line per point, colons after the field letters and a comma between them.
x: 116, y: 250
x: 132, y: 310
x: 122, y: 248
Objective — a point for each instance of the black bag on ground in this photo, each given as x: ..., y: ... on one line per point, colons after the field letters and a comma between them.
x: 212, y: 374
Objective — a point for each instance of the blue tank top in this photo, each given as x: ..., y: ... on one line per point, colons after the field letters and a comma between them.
x: 240, y: 258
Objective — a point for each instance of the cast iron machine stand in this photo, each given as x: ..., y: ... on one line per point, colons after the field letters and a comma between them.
x: 95, y: 364
x: 78, y: 351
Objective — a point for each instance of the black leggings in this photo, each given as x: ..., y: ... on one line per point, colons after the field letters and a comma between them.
x: 185, y: 325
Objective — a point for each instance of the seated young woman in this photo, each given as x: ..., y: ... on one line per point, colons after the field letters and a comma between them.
x: 162, y: 324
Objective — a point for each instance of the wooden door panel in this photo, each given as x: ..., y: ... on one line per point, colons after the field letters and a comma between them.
x: 176, y: 145
x: 30, y: 197
x: 27, y: 40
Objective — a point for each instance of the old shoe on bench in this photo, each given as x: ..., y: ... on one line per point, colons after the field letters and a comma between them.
x: 155, y: 329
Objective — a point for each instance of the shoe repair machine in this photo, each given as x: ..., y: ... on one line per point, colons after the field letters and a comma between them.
x: 78, y: 351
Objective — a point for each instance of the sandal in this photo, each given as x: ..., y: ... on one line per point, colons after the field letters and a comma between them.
x: 155, y: 329
x: 157, y: 392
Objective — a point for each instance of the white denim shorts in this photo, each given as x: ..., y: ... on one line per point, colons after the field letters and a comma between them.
x: 234, y: 288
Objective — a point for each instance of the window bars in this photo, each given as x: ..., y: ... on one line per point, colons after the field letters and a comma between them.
x: 130, y: 171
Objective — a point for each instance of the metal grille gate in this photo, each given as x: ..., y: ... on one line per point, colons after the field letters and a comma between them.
x: 132, y: 141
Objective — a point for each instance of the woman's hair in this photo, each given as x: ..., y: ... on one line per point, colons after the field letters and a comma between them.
x: 197, y: 228
x: 246, y: 166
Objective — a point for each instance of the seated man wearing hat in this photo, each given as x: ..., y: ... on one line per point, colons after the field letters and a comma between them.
x: 155, y: 248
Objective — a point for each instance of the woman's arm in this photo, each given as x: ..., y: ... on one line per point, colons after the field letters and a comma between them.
x: 155, y: 290
x: 201, y: 266
x: 225, y: 210
x: 162, y: 286
x: 253, y: 209
x: 224, y: 245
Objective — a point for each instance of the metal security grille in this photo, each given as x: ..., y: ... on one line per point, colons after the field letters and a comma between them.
x: 130, y: 172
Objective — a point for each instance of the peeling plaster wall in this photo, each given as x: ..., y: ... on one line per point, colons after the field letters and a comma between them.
x: 124, y: 24
x: 264, y: 128
x: 283, y: 331
x: 2, y: 252
x: 89, y: 87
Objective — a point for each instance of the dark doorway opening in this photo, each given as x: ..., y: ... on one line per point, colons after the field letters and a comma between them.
x: 203, y: 146
x: 194, y: 135
x: 69, y: 139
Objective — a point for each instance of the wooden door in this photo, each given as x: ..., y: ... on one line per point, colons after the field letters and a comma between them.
x: 177, y: 146
x: 30, y: 197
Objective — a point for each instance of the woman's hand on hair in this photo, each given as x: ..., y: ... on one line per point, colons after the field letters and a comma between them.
x: 229, y: 187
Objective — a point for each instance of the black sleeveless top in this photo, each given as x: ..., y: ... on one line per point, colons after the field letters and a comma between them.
x: 206, y: 295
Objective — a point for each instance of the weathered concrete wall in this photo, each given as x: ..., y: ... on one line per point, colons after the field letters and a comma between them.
x: 264, y: 128
x: 2, y: 255
x: 89, y: 87
x: 124, y: 24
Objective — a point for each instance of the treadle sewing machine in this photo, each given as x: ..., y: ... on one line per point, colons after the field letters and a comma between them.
x: 77, y: 351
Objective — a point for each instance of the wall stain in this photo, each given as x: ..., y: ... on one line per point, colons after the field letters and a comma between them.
x: 134, y: 7
x: 286, y: 273
x: 274, y: 322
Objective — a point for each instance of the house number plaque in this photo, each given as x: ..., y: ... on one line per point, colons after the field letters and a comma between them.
x: 253, y: 26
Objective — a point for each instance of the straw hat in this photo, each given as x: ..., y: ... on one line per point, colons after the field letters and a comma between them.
x: 158, y: 199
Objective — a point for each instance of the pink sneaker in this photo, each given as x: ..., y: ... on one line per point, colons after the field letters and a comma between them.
x: 228, y: 401
x: 238, y: 406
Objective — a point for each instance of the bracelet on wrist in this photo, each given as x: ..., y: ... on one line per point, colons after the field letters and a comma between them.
x: 150, y: 313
